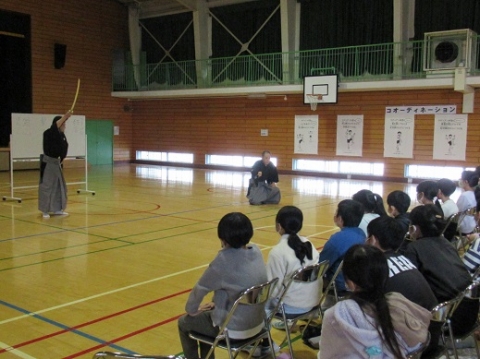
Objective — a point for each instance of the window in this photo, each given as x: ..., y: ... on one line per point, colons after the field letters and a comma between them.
x: 165, y: 156
x: 434, y: 172
x: 235, y: 161
x: 344, y: 167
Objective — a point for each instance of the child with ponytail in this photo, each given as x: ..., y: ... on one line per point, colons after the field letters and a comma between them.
x: 291, y: 253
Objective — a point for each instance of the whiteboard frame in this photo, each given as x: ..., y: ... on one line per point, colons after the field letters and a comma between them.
x: 27, y: 134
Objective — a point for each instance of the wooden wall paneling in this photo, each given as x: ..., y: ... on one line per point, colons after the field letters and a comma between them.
x: 232, y: 126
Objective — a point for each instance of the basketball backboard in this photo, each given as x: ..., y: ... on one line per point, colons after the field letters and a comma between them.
x: 324, y: 85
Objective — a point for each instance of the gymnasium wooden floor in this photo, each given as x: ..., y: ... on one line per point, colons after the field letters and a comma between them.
x: 115, y: 274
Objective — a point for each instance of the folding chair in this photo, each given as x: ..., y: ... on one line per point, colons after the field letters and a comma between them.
x: 471, y: 292
x: 254, y: 296
x: 303, y: 276
x: 460, y: 241
x: 331, y: 286
x: 442, y: 313
x: 115, y: 355
x: 476, y: 275
x: 405, y: 241
x: 451, y: 225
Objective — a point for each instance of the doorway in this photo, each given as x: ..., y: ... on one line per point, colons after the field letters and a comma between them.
x: 99, y: 142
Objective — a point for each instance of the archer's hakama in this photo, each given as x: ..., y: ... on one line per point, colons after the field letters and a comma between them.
x: 261, y: 189
x: 52, y: 191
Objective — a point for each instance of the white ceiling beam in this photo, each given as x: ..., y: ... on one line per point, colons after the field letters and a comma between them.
x: 189, y: 4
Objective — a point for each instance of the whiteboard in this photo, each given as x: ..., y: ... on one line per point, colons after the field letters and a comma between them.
x: 27, y: 135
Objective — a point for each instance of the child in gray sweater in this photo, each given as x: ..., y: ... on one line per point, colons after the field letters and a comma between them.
x: 237, y: 267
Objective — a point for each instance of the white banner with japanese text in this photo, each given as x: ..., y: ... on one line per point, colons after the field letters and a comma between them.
x: 450, y: 137
x: 349, y: 135
x: 421, y: 110
x: 398, y: 139
x: 306, y: 135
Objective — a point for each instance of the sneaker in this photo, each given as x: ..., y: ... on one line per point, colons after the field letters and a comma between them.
x: 261, y: 350
x: 45, y: 215
x: 61, y: 213
x: 258, y: 350
x: 280, y: 325
x: 266, y: 350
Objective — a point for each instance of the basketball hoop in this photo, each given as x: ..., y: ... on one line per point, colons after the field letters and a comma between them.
x: 314, y: 100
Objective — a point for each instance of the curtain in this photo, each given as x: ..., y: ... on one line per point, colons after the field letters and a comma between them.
x: 330, y: 24
x: 243, y: 21
x: 15, y: 70
x: 170, y: 30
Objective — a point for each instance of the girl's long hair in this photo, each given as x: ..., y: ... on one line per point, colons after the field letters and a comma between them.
x: 429, y: 219
x: 291, y: 220
x: 367, y: 267
x: 372, y: 202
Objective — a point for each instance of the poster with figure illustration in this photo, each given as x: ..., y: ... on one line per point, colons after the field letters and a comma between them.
x: 450, y: 137
x: 349, y: 135
x: 398, y: 140
x: 306, y: 135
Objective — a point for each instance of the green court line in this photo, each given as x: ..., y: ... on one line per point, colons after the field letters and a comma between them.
x: 55, y: 249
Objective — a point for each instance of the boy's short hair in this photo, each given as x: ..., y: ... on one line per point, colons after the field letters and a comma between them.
x: 446, y: 186
x: 400, y: 200
x: 235, y: 229
x: 387, y: 231
x: 351, y: 212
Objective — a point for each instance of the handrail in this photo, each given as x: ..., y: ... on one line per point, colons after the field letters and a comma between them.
x: 385, y: 61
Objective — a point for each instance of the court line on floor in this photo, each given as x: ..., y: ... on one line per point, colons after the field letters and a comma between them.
x: 69, y: 329
x: 78, y: 230
x: 123, y: 288
x: 16, y: 352
x: 126, y: 336
x: 63, y: 326
x: 88, y: 336
x: 78, y: 301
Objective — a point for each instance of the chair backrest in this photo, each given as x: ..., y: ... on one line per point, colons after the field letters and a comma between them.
x: 403, y: 244
x: 310, y: 273
x: 472, y: 291
x: 331, y: 284
x: 114, y: 355
x: 476, y: 274
x: 307, y: 274
x: 451, y: 226
x: 468, y: 212
x: 444, y: 311
x: 253, y: 296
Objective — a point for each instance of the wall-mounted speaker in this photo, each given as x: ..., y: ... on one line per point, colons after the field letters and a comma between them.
x: 59, y: 55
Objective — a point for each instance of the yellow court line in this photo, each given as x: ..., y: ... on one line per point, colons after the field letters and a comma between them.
x: 328, y: 230
x: 101, y: 294
x: 16, y: 352
x: 106, y: 293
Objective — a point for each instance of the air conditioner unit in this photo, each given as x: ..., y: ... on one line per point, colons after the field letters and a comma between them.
x: 443, y: 51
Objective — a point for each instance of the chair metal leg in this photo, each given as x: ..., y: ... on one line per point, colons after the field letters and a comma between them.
x: 287, y: 332
x: 272, y: 349
x: 477, y: 349
x: 452, y: 340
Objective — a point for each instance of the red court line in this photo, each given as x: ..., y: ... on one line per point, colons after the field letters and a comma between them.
x: 48, y: 336
x: 126, y: 336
